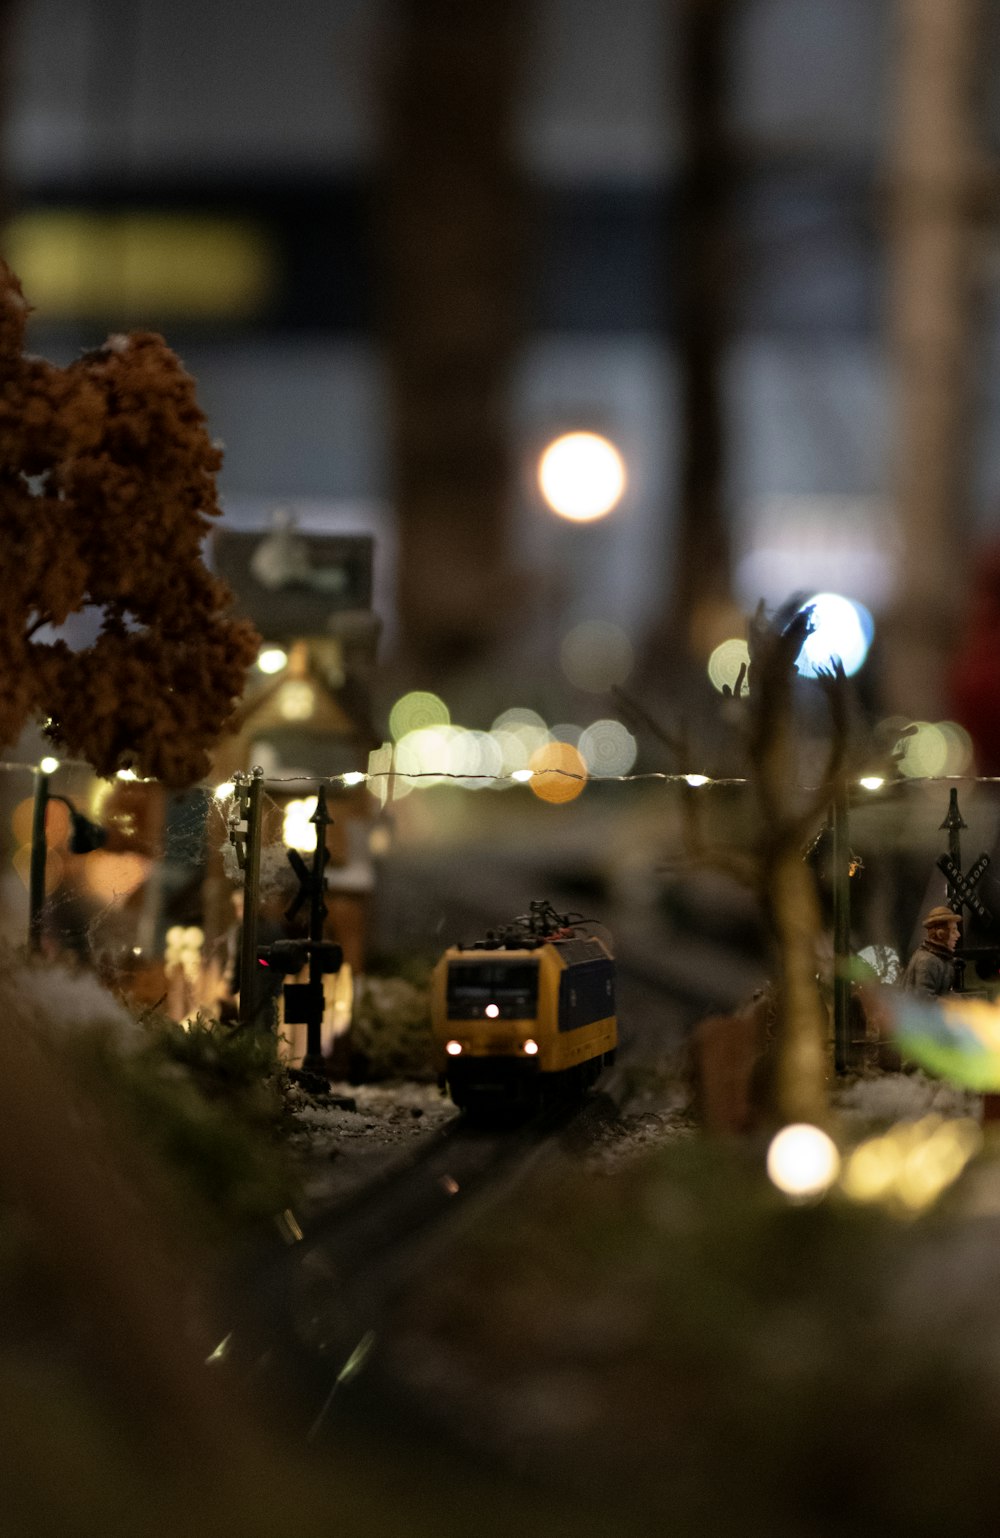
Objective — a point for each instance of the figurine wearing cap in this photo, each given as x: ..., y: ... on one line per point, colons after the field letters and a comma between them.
x: 931, y: 968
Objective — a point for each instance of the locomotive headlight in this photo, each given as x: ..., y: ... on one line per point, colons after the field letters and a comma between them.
x: 492, y: 1011
x: 531, y: 1047
x: 453, y: 1048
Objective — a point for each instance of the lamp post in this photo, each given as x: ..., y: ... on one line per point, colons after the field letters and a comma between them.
x: 36, y: 875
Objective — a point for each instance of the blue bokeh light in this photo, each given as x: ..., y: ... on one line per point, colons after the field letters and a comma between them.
x: 841, y: 628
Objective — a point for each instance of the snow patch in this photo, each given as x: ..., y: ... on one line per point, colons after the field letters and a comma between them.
x: 63, y: 998
x: 896, y: 1097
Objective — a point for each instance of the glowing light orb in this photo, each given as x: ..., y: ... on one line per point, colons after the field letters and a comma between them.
x: 416, y: 710
x: 581, y: 476
x: 871, y: 782
x: 422, y: 756
x: 21, y: 861
x: 56, y: 822
x: 925, y: 751
x: 531, y: 1047
x: 960, y: 750
x: 297, y: 832
x: 224, y: 791
x: 297, y: 700
x: 559, y: 772
x: 725, y: 662
x: 566, y: 731
x: 49, y: 765
x: 936, y: 748
x: 802, y: 1161
x: 696, y: 780
x: 883, y: 961
x: 492, y: 1011
x: 115, y: 876
x: 908, y: 1167
x: 841, y: 628
x: 607, y: 747
x: 517, y: 717
x: 272, y: 659
x: 353, y: 777
x: 477, y: 754
x: 595, y: 655
x: 453, y: 1048
x: 518, y: 733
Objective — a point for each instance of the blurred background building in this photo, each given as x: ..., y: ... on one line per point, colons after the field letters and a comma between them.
x: 403, y: 244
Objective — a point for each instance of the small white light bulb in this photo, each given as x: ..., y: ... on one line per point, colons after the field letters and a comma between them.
x: 802, y: 1161
x: 272, y: 659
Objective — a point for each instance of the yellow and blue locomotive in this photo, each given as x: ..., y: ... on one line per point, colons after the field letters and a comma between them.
x: 525, y: 1015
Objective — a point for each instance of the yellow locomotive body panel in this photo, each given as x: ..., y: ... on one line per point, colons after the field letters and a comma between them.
x: 512, y: 1021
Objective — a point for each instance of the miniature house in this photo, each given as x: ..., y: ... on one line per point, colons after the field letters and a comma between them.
x: 309, y: 719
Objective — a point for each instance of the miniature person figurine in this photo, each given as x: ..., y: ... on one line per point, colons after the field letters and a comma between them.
x: 931, y: 968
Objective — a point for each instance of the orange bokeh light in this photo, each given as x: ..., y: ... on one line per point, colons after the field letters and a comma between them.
x: 111, y: 876
x: 559, y: 772
x: 21, y: 861
x: 56, y: 822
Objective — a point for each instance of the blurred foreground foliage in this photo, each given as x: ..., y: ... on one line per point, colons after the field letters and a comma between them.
x: 669, y: 1347
x: 132, y: 1152
x: 678, y: 1347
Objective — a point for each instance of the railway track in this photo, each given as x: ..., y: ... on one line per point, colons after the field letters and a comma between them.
x: 316, y: 1308
x: 312, y: 1307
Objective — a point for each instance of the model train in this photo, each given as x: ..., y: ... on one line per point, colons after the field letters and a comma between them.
x: 526, y: 1015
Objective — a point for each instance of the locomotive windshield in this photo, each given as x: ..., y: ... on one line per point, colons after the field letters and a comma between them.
x: 510, y: 987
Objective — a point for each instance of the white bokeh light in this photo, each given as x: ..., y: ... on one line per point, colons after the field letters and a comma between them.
x: 607, y: 747
x: 802, y: 1161
x: 725, y: 662
x: 272, y: 659
x: 297, y: 831
x: 582, y: 476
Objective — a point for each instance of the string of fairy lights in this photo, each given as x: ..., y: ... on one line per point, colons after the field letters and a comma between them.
x: 352, y: 779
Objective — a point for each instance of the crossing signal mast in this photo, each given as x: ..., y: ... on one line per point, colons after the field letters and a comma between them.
x: 304, y: 1002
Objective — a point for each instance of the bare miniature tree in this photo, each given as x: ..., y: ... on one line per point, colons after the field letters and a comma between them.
x: 775, y: 866
x: 107, y: 488
x: 786, y: 883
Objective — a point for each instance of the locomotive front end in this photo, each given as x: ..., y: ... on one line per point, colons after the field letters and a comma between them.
x: 525, y: 1015
x: 489, y: 1044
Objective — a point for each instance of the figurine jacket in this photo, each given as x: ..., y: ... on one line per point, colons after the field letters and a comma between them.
x: 931, y: 970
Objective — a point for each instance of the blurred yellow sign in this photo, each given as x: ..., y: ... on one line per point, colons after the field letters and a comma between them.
x: 128, y: 265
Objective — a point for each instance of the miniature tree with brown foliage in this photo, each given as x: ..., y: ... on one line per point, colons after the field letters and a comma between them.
x: 107, y: 488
